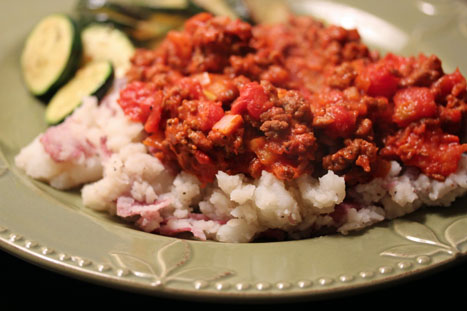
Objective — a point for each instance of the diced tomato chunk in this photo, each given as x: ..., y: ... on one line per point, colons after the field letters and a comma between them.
x: 238, y: 107
x: 451, y: 118
x: 453, y: 83
x: 152, y: 122
x: 378, y: 80
x: 137, y: 99
x: 202, y: 158
x: 412, y: 104
x: 343, y: 123
x: 209, y: 113
x: 252, y: 99
x: 403, y: 65
x: 331, y: 97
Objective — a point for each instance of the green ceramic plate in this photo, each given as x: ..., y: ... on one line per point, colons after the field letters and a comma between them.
x: 53, y: 229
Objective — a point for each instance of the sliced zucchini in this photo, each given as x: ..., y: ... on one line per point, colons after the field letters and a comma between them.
x: 106, y: 14
x: 217, y: 7
x: 127, y: 13
x: 51, y: 54
x: 240, y: 8
x: 94, y: 79
x: 156, y: 4
x: 156, y: 26
x: 147, y: 21
x: 104, y: 42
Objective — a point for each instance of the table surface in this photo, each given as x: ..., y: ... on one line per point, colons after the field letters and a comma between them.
x: 36, y: 283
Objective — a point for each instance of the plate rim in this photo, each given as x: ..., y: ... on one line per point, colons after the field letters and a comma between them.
x: 101, y: 279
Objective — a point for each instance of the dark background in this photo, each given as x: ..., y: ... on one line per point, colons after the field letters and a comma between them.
x: 23, y: 282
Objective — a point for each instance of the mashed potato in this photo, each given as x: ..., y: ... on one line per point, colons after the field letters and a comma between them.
x: 99, y: 149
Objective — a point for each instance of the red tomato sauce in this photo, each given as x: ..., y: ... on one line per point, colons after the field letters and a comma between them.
x: 290, y: 99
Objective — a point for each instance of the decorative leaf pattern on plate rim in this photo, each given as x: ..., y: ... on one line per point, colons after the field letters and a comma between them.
x: 170, y: 264
x: 426, y: 242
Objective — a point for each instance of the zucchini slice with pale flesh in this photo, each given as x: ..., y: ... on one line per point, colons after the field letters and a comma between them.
x: 51, y: 55
x: 94, y: 79
x: 105, y: 42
